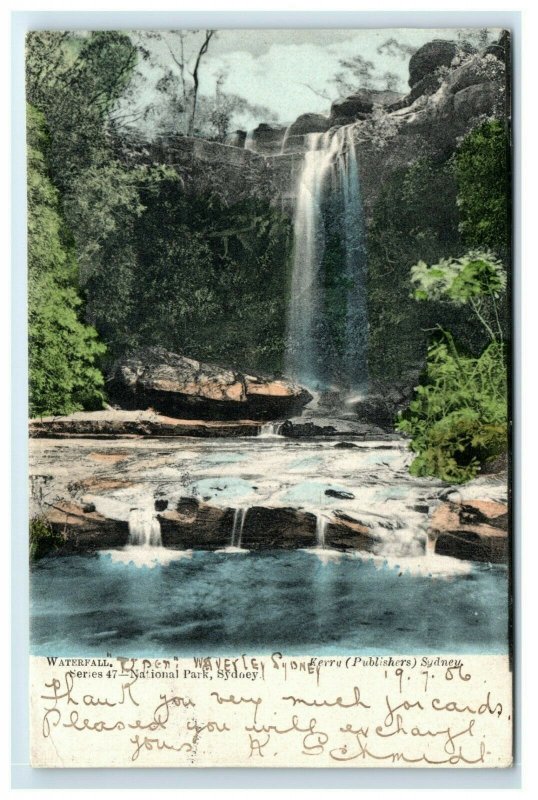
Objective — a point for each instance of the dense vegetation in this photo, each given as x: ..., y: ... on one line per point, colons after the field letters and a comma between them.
x: 134, y: 251
x: 195, y: 276
x: 62, y: 350
x: 458, y: 419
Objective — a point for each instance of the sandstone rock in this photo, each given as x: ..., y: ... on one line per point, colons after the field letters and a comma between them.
x: 182, y: 387
x: 346, y: 533
x: 85, y: 530
x: 340, y: 494
x: 348, y: 109
x: 475, y: 530
x: 114, y: 423
x: 267, y: 138
x: 431, y: 56
x: 196, y: 525
x: 474, y: 100
x: 309, y: 123
x: 236, y: 139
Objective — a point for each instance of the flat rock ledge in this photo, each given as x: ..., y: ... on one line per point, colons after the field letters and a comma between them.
x: 474, y: 530
x: 113, y: 423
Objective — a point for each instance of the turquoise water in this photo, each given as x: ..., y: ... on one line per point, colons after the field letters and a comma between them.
x: 219, y: 603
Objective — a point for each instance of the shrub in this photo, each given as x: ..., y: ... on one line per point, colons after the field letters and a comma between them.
x: 457, y: 419
x: 43, y: 539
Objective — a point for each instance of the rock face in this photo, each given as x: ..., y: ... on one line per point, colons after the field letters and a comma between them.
x: 181, y: 387
x: 475, y: 530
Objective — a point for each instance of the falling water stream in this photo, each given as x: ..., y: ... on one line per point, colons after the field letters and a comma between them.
x: 328, y: 211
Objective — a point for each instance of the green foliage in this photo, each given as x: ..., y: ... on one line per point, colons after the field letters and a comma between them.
x: 477, y: 279
x: 482, y: 170
x: 43, y: 539
x: 458, y: 417
x: 62, y: 351
x: 195, y: 276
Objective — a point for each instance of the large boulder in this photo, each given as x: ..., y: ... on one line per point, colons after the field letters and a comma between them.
x: 348, y: 109
x: 267, y: 139
x: 182, y: 387
x: 433, y: 55
x: 236, y: 138
x: 474, y: 530
x: 294, y: 140
x: 309, y: 123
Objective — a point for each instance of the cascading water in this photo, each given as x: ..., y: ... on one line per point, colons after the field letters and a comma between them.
x: 327, y: 322
x: 144, y: 528
x: 321, y: 528
x: 240, y: 514
x: 249, y: 141
x: 270, y: 430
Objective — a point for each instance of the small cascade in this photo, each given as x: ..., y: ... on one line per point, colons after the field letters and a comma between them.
x: 145, y: 546
x: 321, y: 529
x: 144, y: 528
x: 285, y: 140
x: 240, y: 515
x: 249, y: 141
x: 270, y: 430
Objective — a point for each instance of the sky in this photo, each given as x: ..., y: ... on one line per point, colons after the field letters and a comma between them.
x: 274, y: 68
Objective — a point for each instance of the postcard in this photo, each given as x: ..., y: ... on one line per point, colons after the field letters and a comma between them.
x: 269, y: 320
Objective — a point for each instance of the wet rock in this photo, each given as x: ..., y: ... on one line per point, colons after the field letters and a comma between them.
x: 196, y: 525
x: 161, y: 505
x: 340, y: 494
x: 83, y: 529
x: 348, y: 109
x: 474, y: 530
x: 182, y: 387
x: 114, y: 423
x: 278, y: 528
x: 344, y: 532
x: 345, y: 445
x: 306, y: 429
x: 309, y: 123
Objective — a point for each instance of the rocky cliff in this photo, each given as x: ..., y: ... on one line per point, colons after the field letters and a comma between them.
x: 452, y: 89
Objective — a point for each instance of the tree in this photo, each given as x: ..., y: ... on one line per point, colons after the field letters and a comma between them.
x: 180, y: 82
x: 62, y: 350
x: 476, y: 278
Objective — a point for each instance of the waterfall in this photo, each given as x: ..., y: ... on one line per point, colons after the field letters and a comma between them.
x: 270, y: 430
x: 144, y: 528
x: 327, y: 320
